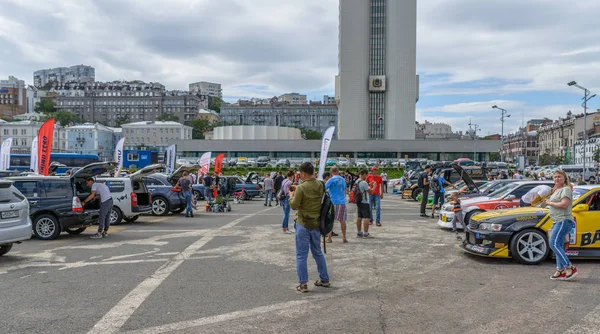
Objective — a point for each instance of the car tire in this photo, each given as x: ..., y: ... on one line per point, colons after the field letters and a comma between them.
x: 132, y: 219
x: 46, y: 227
x: 592, y: 179
x: 530, y: 247
x: 198, y: 196
x: 75, y: 231
x: 116, y: 216
x: 160, y: 206
x: 5, y: 249
x: 469, y: 215
x: 416, y: 193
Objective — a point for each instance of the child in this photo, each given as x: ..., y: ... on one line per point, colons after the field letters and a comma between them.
x: 458, y: 215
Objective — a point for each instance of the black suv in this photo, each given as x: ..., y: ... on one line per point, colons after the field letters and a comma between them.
x: 55, y: 201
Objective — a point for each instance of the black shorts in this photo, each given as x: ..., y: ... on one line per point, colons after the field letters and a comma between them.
x: 363, y: 210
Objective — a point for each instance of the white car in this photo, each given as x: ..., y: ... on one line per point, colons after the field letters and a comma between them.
x: 15, y: 225
x: 343, y: 162
x: 361, y: 163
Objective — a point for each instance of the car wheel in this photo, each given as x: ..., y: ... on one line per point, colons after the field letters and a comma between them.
x: 198, y: 196
x: 246, y: 196
x: 471, y: 214
x: 46, y: 227
x: 529, y: 247
x: 132, y: 219
x: 115, y: 216
x: 160, y: 207
x: 75, y: 231
x: 5, y: 249
x: 416, y: 193
x: 592, y: 179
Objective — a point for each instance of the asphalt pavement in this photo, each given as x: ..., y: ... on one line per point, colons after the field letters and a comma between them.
x: 235, y: 273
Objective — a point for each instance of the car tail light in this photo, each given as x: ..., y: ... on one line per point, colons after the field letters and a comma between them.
x: 76, y: 205
x: 134, y: 200
x: 257, y: 187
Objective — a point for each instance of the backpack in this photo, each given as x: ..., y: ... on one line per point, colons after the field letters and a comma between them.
x: 435, y: 185
x: 327, y: 216
x: 358, y: 196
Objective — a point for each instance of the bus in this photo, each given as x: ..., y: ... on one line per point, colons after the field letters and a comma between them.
x: 22, y: 161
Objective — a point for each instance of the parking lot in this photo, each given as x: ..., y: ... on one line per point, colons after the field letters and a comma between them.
x: 235, y: 273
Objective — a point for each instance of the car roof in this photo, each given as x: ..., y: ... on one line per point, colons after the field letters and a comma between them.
x: 588, y: 187
x: 37, y: 177
x: 533, y: 182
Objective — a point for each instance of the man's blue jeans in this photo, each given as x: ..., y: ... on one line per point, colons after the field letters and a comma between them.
x: 375, y: 201
x: 286, y: 213
x: 306, y: 239
x: 188, y: 201
x: 268, y: 196
x: 557, y: 239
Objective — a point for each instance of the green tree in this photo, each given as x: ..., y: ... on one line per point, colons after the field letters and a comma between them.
x: 44, y: 106
x: 200, y: 126
x: 167, y: 117
x: 494, y: 156
x: 597, y: 155
x: 63, y: 118
x: 214, y: 103
x: 311, y: 134
x: 122, y: 120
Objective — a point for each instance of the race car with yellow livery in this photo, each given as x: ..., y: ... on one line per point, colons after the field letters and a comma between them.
x: 523, y: 233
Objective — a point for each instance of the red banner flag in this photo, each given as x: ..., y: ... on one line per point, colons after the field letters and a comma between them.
x: 219, y: 163
x: 45, y: 136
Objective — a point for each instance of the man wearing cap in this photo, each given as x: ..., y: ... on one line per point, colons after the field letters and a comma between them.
x: 106, y: 204
x: 424, y: 180
x: 375, y: 180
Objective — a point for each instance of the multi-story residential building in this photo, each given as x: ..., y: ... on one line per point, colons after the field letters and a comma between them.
x: 292, y: 98
x: 314, y: 116
x: 62, y: 75
x: 24, y: 132
x: 592, y: 144
x: 437, y: 129
x: 91, y: 138
x: 522, y: 142
x: 13, y: 97
x: 118, y: 102
x: 207, y: 88
x: 377, y: 83
x: 329, y: 99
x: 158, y: 135
x: 209, y: 115
x: 557, y: 138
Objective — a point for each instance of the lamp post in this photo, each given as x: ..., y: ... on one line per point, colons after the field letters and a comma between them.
x: 586, y: 98
x: 474, y: 128
x: 504, y: 114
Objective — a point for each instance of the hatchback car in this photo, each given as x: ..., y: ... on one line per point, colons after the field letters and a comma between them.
x: 165, y: 198
x: 15, y: 224
x: 283, y: 163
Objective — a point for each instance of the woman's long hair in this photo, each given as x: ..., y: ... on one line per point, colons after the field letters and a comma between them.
x: 567, y: 181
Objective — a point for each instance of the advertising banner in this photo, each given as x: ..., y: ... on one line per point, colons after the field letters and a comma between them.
x: 219, y: 163
x: 324, y: 150
x: 45, y: 137
x: 5, y: 154
x: 170, y: 155
x: 119, y: 156
x: 33, y: 163
x: 205, y: 162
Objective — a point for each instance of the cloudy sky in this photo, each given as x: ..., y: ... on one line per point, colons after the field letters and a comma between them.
x: 471, y: 53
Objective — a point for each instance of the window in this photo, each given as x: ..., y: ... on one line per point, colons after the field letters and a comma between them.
x: 114, y: 186
x: 24, y: 131
x: 15, y: 132
x: 133, y: 157
x: 150, y: 181
x: 56, y: 188
x: 28, y: 188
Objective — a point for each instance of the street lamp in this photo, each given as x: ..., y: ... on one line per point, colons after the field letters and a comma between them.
x: 586, y: 98
x: 504, y: 114
x: 474, y: 132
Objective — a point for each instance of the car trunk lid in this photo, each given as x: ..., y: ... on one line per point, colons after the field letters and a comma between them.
x: 148, y: 170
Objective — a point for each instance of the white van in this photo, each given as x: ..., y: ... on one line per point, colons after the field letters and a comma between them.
x: 575, y: 171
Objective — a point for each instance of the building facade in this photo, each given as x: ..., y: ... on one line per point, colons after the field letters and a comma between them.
x: 315, y: 116
x: 115, y: 103
x: 156, y: 135
x: 24, y: 132
x: 91, y: 139
x: 378, y: 89
x: 557, y: 138
x: 329, y: 99
x: 209, y: 115
x: 62, y: 75
x: 255, y: 132
x: 13, y: 97
x: 293, y: 98
x: 524, y: 143
x: 207, y: 88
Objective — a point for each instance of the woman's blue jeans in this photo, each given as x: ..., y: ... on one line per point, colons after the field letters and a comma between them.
x: 188, y: 201
x: 285, y: 205
x: 557, y: 239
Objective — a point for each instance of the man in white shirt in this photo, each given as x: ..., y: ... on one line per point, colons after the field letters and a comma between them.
x: 106, y: 204
x: 385, y: 180
x: 518, y: 175
x: 535, y: 195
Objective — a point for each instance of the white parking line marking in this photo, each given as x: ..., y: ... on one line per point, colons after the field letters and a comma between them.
x: 112, y: 321
x: 131, y: 255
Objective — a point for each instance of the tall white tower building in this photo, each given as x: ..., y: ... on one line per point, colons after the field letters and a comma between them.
x: 377, y: 85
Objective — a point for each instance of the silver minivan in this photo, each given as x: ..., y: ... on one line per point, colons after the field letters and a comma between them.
x: 15, y: 224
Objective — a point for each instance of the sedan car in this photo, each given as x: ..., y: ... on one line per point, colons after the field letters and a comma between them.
x: 343, y: 162
x: 506, y: 197
x: 250, y: 187
x: 361, y: 163
x: 523, y: 233
x: 165, y: 198
x: 15, y: 224
x: 330, y: 162
x: 283, y: 163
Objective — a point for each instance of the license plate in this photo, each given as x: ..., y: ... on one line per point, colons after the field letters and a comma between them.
x: 444, y: 219
x: 10, y: 214
x: 477, y: 248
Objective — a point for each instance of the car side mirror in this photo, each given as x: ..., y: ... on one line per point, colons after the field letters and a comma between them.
x: 510, y: 197
x: 581, y: 208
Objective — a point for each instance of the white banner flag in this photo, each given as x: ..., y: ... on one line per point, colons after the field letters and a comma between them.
x: 5, y: 154
x: 119, y: 156
x: 324, y: 150
x: 170, y: 155
x: 205, y: 162
x: 33, y: 163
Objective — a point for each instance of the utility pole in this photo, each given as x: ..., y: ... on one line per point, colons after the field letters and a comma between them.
x: 475, y: 128
x: 586, y: 98
x: 504, y: 115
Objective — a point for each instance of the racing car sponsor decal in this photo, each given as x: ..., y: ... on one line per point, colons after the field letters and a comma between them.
x: 573, y: 233
x: 477, y: 248
x: 588, y: 239
x: 498, y: 245
x: 572, y: 252
x: 526, y: 218
x: 501, y: 206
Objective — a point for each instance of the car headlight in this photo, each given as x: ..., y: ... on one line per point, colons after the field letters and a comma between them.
x: 490, y: 227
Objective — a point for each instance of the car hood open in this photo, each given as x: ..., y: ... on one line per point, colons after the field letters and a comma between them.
x: 466, y: 178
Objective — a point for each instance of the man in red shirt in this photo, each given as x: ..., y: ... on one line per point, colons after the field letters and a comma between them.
x: 375, y: 180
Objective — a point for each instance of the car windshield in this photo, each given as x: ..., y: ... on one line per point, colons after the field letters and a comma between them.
x: 578, y: 192
x: 487, y: 186
x: 412, y: 165
x: 504, y: 190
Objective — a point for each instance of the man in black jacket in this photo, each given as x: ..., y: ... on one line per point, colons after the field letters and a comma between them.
x: 277, y: 185
x: 424, y: 180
